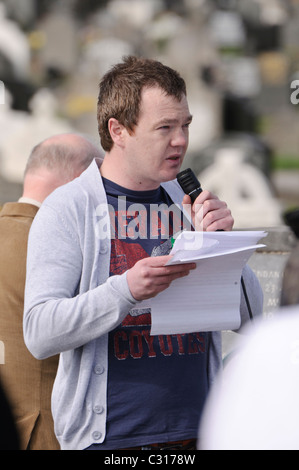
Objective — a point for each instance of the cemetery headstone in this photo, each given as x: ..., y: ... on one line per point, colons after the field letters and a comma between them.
x: 268, y: 264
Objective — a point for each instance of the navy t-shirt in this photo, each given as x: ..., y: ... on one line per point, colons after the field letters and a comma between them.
x: 156, y: 384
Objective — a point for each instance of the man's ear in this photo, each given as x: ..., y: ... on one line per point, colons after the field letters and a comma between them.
x: 116, y: 130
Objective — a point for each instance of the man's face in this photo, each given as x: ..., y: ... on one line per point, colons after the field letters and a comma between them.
x: 156, y: 149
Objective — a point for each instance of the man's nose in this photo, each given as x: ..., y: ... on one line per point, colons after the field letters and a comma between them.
x: 180, y: 138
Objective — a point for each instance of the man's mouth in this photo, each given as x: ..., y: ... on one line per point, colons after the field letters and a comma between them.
x: 174, y: 157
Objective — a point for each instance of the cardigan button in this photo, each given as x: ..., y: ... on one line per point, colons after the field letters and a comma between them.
x: 104, y: 249
x: 99, y: 369
x: 98, y: 409
x: 96, y: 435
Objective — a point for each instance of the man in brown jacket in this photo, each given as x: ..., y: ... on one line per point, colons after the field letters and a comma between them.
x: 27, y: 381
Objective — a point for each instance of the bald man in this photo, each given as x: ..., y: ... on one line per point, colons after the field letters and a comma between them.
x: 27, y: 381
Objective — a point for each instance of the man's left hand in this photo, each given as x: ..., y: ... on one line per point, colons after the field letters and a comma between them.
x: 209, y: 213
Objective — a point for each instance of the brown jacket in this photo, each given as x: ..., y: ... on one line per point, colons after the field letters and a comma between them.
x: 27, y: 381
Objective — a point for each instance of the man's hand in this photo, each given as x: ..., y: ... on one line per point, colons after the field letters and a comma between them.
x: 149, y: 276
x: 209, y: 213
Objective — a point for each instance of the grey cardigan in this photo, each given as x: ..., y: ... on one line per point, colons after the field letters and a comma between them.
x: 71, y: 303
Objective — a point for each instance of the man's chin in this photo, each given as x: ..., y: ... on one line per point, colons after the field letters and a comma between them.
x: 170, y: 175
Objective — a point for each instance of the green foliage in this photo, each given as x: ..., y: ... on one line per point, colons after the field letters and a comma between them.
x: 285, y: 162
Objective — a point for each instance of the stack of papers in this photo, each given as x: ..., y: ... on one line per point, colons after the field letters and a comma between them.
x: 208, y: 299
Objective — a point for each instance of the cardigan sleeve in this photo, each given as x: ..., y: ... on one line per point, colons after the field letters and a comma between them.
x: 58, y: 316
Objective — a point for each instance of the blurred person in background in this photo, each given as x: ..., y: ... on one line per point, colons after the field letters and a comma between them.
x: 290, y: 281
x: 27, y: 381
x: 118, y: 387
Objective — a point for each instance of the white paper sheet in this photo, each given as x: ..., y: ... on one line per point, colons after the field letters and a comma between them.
x: 208, y: 299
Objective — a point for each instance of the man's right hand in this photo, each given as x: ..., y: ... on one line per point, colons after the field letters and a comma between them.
x: 149, y: 276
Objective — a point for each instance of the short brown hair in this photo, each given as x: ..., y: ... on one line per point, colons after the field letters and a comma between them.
x: 120, y: 92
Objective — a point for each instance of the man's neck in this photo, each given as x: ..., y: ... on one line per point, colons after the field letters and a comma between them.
x: 112, y: 170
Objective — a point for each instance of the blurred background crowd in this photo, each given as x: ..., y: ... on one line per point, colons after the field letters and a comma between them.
x: 240, y: 59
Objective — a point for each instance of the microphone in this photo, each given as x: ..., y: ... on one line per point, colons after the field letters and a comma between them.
x: 189, y: 183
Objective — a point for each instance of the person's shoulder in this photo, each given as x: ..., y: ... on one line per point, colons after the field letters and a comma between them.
x: 62, y: 197
x: 75, y: 192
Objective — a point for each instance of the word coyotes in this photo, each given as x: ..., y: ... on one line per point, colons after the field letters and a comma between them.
x: 139, y: 343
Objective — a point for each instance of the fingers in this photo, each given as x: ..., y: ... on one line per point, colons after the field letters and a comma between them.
x: 210, y: 213
x: 163, y: 273
x: 214, y: 214
x: 150, y: 276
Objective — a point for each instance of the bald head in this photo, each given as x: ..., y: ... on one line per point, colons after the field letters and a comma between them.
x: 56, y: 161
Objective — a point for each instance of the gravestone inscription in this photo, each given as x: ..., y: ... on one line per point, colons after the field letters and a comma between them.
x: 268, y: 264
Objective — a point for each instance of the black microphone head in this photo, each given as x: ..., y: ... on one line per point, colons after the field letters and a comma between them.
x: 189, y: 183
